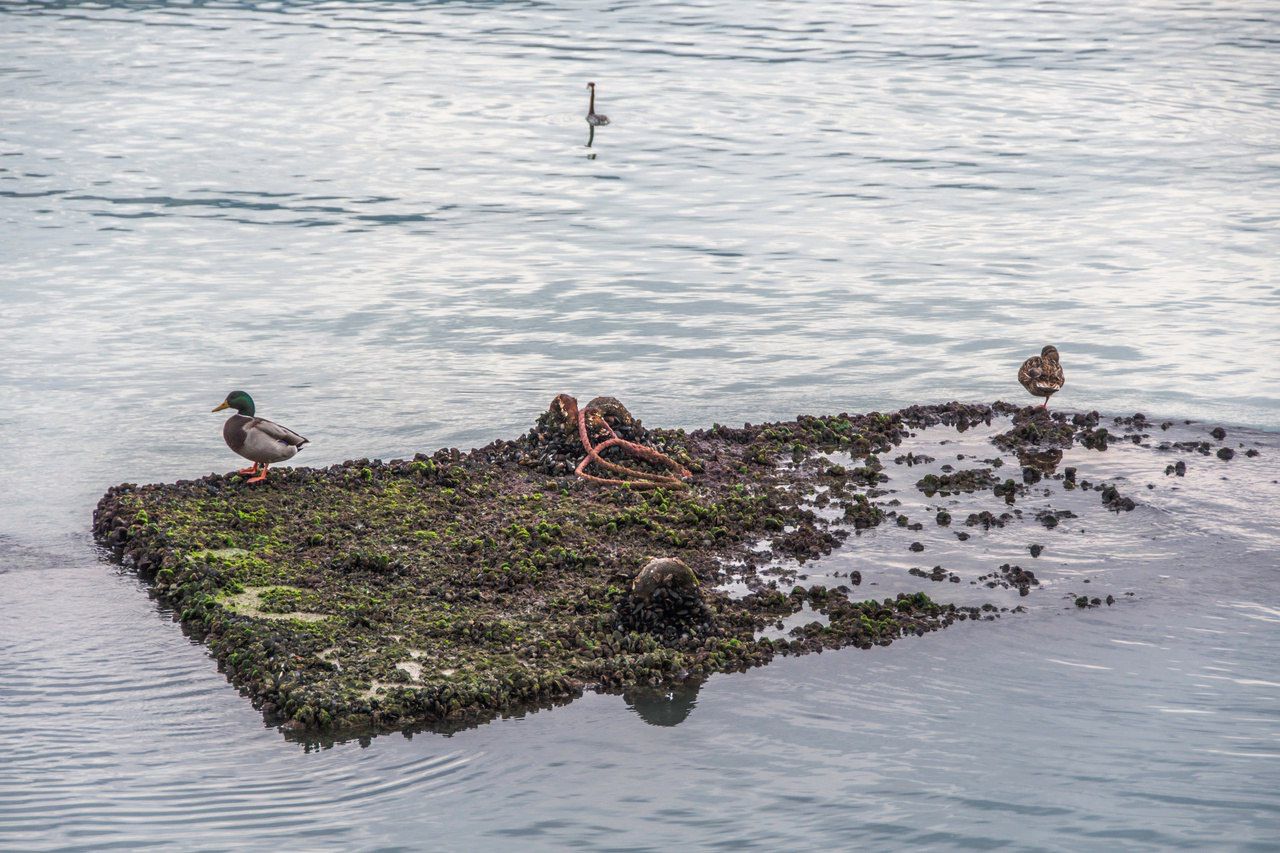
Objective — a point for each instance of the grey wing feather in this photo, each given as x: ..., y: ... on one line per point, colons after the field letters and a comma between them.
x: 279, y: 433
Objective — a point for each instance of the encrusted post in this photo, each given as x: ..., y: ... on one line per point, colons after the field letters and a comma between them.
x: 666, y: 599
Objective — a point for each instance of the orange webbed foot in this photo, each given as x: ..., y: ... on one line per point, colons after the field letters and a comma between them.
x: 260, y: 477
x: 252, y: 470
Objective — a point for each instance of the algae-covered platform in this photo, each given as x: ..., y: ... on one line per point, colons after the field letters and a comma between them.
x: 444, y: 590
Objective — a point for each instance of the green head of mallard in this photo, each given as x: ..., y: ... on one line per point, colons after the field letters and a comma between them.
x: 1049, y: 353
x: 239, y: 401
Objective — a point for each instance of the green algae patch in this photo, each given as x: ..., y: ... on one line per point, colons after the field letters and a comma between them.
x: 448, y: 589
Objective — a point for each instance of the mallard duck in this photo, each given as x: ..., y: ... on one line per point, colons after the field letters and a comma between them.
x: 256, y: 439
x: 593, y: 118
x: 1042, y: 374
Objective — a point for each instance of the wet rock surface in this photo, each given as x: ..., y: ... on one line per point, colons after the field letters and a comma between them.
x: 936, y: 574
x: 987, y: 519
x: 443, y: 590
x: 1008, y: 576
x: 1051, y: 518
x: 969, y: 480
x: 1113, y: 500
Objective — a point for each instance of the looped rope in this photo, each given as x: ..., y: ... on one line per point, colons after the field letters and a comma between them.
x: 640, y: 479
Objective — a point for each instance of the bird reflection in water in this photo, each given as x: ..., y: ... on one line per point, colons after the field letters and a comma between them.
x: 1043, y: 462
x: 664, y: 706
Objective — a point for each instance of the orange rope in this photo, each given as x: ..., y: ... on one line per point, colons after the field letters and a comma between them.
x: 643, y: 479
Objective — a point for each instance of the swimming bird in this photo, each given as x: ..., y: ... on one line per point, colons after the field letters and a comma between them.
x: 1042, y: 374
x: 593, y: 118
x: 257, y: 439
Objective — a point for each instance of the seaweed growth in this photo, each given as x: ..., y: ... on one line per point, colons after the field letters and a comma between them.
x: 450, y: 588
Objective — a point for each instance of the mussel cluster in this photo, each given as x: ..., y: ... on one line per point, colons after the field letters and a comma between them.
x: 554, y: 445
x: 1037, y: 429
x: 670, y: 614
x: 664, y: 600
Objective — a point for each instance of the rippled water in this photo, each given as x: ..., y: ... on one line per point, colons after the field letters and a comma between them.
x: 382, y: 219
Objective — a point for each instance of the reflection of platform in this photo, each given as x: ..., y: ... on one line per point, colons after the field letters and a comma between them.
x: 664, y: 706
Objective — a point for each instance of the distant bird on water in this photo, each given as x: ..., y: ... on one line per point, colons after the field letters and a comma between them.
x: 593, y: 118
x: 256, y: 439
x: 1042, y: 374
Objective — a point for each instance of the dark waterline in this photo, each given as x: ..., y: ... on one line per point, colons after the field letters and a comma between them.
x: 382, y: 220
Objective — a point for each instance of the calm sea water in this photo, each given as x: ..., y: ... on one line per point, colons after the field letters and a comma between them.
x: 382, y: 219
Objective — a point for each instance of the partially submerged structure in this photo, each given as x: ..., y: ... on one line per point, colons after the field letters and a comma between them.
x: 590, y: 553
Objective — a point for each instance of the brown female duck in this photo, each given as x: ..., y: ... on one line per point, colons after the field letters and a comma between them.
x: 1042, y: 374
